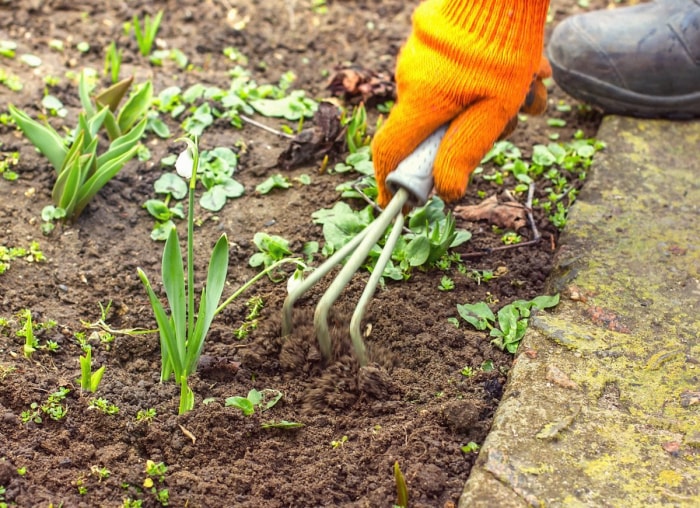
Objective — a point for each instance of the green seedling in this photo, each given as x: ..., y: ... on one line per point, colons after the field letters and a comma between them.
x: 103, y: 405
x: 89, y: 381
x: 509, y: 326
x: 511, y: 238
x: 113, y: 62
x: 80, y: 171
x: 255, y: 305
x: 401, y: 487
x: 27, y: 331
x: 9, y: 254
x: 102, y: 473
x: 8, y: 161
x: 53, y: 407
x: 49, y: 216
x: 146, y: 34
x: 356, y: 129
x: 470, y: 447
x: 261, y: 400
x: 146, y: 415
x: 274, y: 182
x: 182, y: 334
x: 156, y: 471
x: 446, y: 284
x: 272, y: 248
x: 335, y: 444
x: 10, y: 80
x: 359, y: 161
x: 467, y: 371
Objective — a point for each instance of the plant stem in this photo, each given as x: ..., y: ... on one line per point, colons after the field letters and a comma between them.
x: 252, y: 281
x: 190, y: 242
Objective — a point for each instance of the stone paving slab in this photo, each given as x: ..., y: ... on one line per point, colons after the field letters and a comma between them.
x: 602, y: 406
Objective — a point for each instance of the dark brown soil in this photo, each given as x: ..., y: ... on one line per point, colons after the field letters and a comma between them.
x: 411, y: 404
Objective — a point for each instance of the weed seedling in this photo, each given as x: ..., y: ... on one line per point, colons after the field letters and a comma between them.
x: 470, y: 447
x: 446, y: 284
x: 156, y: 471
x: 146, y: 415
x: 335, y: 444
x: 102, y: 473
x: 53, y: 407
x: 103, y: 405
x: 262, y: 400
x: 508, y: 328
x: 467, y: 371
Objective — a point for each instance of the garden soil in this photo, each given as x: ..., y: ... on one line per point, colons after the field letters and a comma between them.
x: 410, y: 405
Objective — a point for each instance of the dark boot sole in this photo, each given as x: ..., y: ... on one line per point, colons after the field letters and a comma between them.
x: 618, y: 101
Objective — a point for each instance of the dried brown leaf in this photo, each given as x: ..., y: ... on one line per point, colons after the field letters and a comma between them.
x: 509, y: 215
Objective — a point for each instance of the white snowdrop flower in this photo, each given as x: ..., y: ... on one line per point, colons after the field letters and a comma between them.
x: 184, y: 163
x: 295, y: 280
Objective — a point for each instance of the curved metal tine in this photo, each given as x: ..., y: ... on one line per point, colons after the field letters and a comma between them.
x: 355, y: 334
x: 314, y: 277
x: 374, y: 232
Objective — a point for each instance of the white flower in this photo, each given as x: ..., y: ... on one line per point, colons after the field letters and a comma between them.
x: 184, y: 163
x: 295, y: 280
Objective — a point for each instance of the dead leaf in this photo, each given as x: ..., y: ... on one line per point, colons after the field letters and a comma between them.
x: 188, y: 433
x: 356, y: 84
x: 326, y: 137
x: 509, y: 215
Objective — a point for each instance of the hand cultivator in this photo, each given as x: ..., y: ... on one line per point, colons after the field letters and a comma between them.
x: 410, y: 184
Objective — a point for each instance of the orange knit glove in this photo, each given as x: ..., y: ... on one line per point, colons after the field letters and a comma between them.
x: 470, y: 63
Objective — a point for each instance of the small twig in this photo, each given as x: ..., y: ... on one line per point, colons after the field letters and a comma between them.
x: 528, y: 207
x: 265, y: 127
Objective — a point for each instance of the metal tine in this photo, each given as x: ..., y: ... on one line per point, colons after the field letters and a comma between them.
x: 355, y: 333
x: 410, y: 183
x: 370, y: 238
x: 314, y: 277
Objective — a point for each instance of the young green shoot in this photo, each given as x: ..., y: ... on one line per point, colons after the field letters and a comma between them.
x: 182, y: 333
x: 89, y: 381
x: 401, y: 488
x: 146, y: 35
x: 113, y: 61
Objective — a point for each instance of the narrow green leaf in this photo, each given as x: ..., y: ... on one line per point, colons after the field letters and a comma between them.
x: 85, y: 368
x: 84, y: 93
x: 98, y: 180
x: 136, y: 107
x: 166, y: 329
x: 216, y: 279
x: 96, y: 378
x: 174, y: 283
x: 43, y: 137
x: 122, y: 144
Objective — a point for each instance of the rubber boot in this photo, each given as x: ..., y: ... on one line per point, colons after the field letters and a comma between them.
x: 639, y: 61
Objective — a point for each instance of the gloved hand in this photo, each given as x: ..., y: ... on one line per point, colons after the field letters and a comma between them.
x: 470, y: 63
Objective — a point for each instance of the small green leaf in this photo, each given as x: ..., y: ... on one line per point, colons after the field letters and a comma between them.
x: 170, y: 183
x: 214, y: 199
